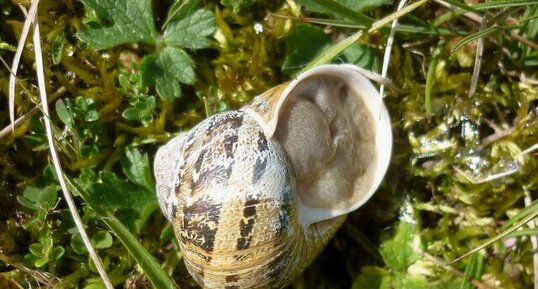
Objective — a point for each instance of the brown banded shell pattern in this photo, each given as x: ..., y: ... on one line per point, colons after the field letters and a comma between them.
x: 236, y: 216
x: 254, y: 195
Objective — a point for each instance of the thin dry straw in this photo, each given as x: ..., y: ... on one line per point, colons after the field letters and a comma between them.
x: 16, y: 60
x: 388, y: 49
x: 55, y: 159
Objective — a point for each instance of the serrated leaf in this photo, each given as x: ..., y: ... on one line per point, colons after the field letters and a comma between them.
x: 137, y: 168
x: 398, y: 252
x: 189, y: 27
x: 133, y: 204
x: 124, y: 21
x: 305, y: 42
x: 167, y: 70
x: 113, y: 193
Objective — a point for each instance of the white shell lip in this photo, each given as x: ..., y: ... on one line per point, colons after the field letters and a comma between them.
x: 364, y: 89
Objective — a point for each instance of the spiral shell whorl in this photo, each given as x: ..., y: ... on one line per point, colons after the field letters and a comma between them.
x: 235, y: 224
x: 254, y: 195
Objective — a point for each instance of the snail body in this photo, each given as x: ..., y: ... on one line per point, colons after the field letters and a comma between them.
x: 254, y: 195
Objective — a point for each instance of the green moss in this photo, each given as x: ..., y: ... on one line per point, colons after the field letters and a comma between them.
x: 110, y: 120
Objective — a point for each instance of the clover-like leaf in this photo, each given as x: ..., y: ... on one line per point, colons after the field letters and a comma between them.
x: 102, y: 240
x: 141, y: 110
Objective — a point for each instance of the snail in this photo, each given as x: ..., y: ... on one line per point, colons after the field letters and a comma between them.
x: 254, y: 195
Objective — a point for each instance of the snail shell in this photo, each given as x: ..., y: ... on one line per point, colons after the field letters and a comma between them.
x: 254, y: 195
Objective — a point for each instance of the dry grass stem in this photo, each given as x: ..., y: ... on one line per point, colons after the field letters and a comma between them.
x: 26, y: 116
x: 388, y: 49
x: 40, y: 277
x: 56, y: 161
x: 477, y: 60
x: 17, y: 58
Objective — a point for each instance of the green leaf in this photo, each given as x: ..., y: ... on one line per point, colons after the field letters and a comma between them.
x: 145, y: 260
x: 102, y: 240
x: 329, y: 54
x: 39, y: 198
x: 63, y: 113
x: 122, y: 22
x: 36, y: 249
x: 347, y: 9
x: 363, y: 56
x: 398, y: 252
x: 30, y: 259
x: 237, y: 5
x: 40, y: 262
x: 133, y: 204
x: 430, y: 80
x: 473, y: 270
x: 479, y: 34
x: 372, y: 277
x: 113, y: 193
x: 85, y: 108
x: 407, y: 281
x: 305, y: 42
x: 189, y: 27
x: 57, y: 47
x: 142, y: 110
x: 57, y: 252
x: 137, y: 168
x: 167, y: 69
x: 77, y: 244
x: 36, y: 139
x: 504, y: 4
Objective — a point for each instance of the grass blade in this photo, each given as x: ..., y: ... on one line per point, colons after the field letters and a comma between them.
x: 144, y: 259
x: 479, y: 34
x: 388, y: 19
x: 533, y: 207
x: 329, y: 54
x: 462, y: 6
x: 500, y: 236
x: 473, y: 270
x: 504, y: 4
